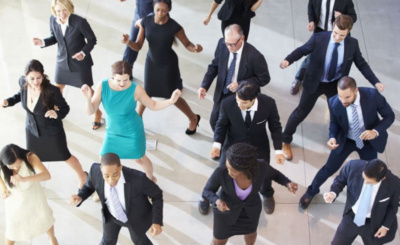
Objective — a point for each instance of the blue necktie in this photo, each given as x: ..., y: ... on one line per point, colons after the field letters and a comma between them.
x: 365, y: 200
x: 230, y: 73
x: 356, y: 127
x: 116, y: 207
x: 334, y: 62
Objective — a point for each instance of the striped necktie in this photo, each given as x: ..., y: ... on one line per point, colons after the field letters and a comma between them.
x: 116, y: 207
x: 356, y: 127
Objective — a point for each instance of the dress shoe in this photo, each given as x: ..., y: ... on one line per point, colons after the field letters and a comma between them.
x: 305, y: 201
x: 269, y: 204
x: 295, y: 88
x: 190, y: 132
x: 287, y: 151
x: 204, y: 206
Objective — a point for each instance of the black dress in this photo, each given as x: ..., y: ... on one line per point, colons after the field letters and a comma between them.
x: 44, y: 136
x: 161, y: 72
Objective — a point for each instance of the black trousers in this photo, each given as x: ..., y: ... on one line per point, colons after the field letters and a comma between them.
x: 348, y: 231
x: 335, y: 161
x: 111, y: 228
x: 306, y: 104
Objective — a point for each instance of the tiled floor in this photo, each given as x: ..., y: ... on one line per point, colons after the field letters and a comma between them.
x: 182, y: 165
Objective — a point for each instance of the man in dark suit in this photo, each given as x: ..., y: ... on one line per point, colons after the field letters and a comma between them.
x: 354, y: 126
x: 371, y: 205
x: 243, y: 119
x: 249, y: 65
x: 331, y: 55
x: 321, y: 15
x: 124, y: 195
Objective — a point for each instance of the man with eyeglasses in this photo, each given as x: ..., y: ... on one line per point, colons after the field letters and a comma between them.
x: 235, y: 61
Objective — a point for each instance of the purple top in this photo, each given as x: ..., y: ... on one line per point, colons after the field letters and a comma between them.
x: 242, y: 194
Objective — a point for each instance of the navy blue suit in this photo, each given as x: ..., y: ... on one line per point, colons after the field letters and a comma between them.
x: 372, y: 103
x: 383, y: 211
x: 316, y: 48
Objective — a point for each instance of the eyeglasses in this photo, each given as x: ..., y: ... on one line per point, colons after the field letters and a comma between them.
x: 233, y: 44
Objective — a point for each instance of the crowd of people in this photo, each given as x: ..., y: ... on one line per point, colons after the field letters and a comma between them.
x: 359, y: 119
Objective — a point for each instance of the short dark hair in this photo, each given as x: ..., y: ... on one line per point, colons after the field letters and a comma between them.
x: 375, y: 169
x: 121, y: 68
x: 167, y: 2
x: 344, y: 22
x: 347, y: 82
x: 109, y: 159
x: 243, y: 157
x: 247, y: 90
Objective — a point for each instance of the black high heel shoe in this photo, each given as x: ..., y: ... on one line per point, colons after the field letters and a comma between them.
x: 190, y: 132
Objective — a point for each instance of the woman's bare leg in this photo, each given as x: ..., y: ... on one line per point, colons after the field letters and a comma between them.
x: 77, y: 167
x: 52, y: 237
x: 250, y: 239
x: 147, y: 166
x: 183, y: 106
x: 8, y: 242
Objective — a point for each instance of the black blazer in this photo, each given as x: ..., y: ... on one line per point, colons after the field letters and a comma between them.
x: 36, y: 123
x: 252, y: 204
x: 316, y: 48
x: 372, y: 104
x: 73, y: 42
x: 343, y: 6
x: 386, y: 203
x: 226, y: 10
x: 253, y: 68
x: 231, y: 125
x: 138, y: 189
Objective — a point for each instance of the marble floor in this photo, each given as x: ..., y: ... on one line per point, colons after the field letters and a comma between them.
x: 181, y: 162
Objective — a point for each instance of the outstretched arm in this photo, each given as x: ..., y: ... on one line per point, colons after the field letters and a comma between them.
x: 142, y: 97
x: 214, y: 5
x: 188, y: 44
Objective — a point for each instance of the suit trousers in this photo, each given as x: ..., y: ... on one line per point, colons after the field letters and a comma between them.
x: 111, y: 228
x: 335, y: 161
x: 306, y: 104
x: 215, y: 110
x: 348, y: 231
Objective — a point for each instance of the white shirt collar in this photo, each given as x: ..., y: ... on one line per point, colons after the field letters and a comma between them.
x: 254, y: 107
x: 65, y: 24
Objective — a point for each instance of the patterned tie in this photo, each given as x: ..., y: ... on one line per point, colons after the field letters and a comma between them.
x: 356, y: 127
x: 365, y: 199
x: 116, y: 207
x: 328, y: 6
x: 334, y: 62
x: 230, y: 73
x: 247, y: 119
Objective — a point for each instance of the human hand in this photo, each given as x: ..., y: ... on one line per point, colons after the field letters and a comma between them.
x: 175, y: 96
x: 4, y: 103
x: 311, y: 26
x: 215, y: 152
x: 284, y: 64
x: 16, y: 178
x: 380, y: 87
x: 201, y: 93
x: 51, y: 114
x: 125, y: 39
x: 155, y: 230
x: 279, y: 158
x: 4, y: 194
x: 75, y: 200
x: 138, y: 23
x: 381, y: 232
x: 292, y: 187
x: 86, y: 91
x: 221, y: 205
x: 232, y: 86
x: 368, y: 135
x: 329, y: 197
x: 207, y: 20
x: 337, y: 13
x: 78, y: 56
x: 198, y: 48
x: 37, y: 42
x: 332, y: 144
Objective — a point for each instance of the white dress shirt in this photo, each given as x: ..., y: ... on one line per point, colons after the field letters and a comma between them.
x: 322, y: 16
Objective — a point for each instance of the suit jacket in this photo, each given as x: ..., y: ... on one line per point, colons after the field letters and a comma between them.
x: 253, y: 68
x: 226, y: 10
x: 372, y: 103
x: 36, y: 123
x: 386, y: 203
x: 138, y: 188
x: 73, y: 42
x: 231, y: 125
x: 343, y: 6
x: 252, y: 204
x: 316, y: 47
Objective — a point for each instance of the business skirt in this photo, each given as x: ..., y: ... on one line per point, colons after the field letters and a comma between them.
x: 243, y: 225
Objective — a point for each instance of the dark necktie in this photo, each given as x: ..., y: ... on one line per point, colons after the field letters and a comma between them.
x: 334, y: 62
x: 328, y: 5
x: 230, y: 73
x: 247, y: 119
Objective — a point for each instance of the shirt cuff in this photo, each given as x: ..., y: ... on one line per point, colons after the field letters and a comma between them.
x: 377, y: 133
x: 44, y: 44
x: 278, y: 152
x: 385, y: 227
x: 217, y: 145
x: 83, y: 54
